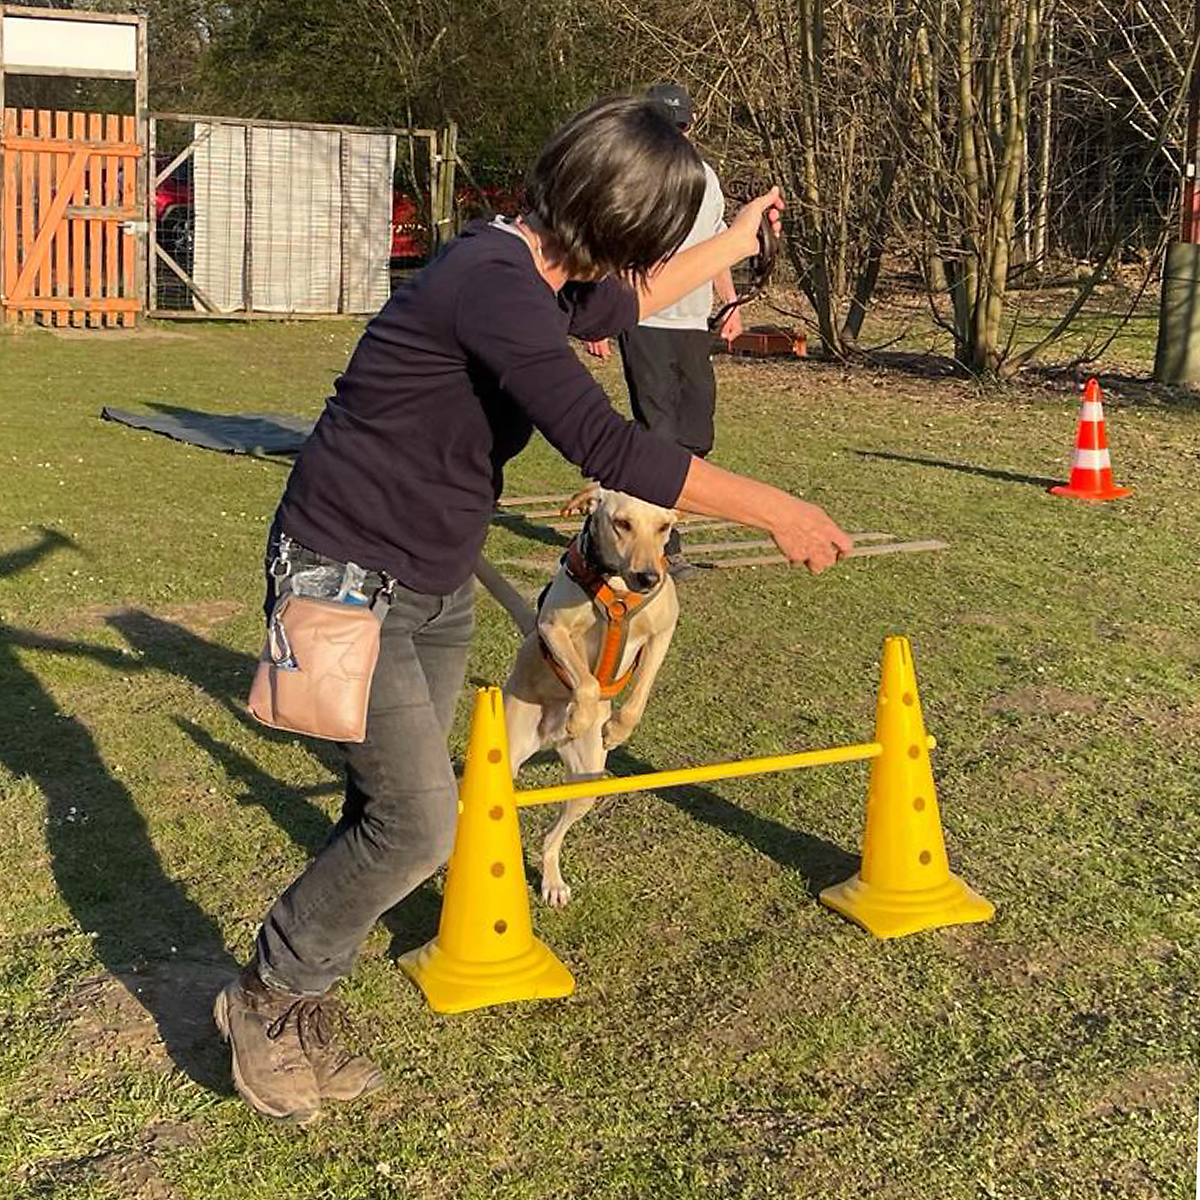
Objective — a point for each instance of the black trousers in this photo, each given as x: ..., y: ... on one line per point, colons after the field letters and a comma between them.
x: 672, y: 387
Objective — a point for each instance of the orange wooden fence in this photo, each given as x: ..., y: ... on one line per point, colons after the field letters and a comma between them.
x: 69, y: 185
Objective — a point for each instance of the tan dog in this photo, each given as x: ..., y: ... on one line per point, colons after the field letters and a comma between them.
x: 554, y: 696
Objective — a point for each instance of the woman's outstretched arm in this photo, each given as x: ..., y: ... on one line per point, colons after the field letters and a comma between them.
x: 802, y: 531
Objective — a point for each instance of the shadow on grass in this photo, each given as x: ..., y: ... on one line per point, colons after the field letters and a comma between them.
x: 518, y: 523
x: 966, y: 468
x: 921, y: 364
x: 225, y: 676
x: 821, y: 863
x: 1131, y: 389
x: 147, y: 932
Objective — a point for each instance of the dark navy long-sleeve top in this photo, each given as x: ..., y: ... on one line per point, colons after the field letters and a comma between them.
x: 448, y: 382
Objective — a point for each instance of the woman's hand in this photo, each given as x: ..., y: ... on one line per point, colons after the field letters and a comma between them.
x: 806, y: 534
x: 745, y: 225
x: 688, y: 269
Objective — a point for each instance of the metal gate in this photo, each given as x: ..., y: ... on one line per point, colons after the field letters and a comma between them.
x: 70, y: 218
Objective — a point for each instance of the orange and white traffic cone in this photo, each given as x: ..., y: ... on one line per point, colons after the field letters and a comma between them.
x: 1091, y: 469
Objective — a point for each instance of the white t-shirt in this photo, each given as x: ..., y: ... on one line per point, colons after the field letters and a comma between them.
x: 693, y: 310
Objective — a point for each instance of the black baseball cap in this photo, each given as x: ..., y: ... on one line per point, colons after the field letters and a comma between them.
x: 674, y: 100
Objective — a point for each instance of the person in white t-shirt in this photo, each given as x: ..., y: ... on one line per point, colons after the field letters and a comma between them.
x: 668, y: 368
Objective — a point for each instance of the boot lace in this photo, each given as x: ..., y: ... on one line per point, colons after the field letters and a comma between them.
x: 315, y: 1020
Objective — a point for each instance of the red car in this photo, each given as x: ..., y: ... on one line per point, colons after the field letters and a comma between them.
x: 173, y: 213
x: 410, y: 235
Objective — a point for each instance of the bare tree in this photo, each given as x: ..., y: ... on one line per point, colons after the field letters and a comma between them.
x: 977, y: 64
x: 803, y: 94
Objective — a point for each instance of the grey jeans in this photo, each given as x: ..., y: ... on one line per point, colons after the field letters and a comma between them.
x: 401, y: 805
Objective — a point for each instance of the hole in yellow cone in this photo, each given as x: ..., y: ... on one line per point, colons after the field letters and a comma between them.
x: 496, y: 813
x: 914, y: 752
x: 494, y: 756
x: 501, y: 926
x: 497, y: 869
x: 918, y: 804
x: 909, y: 698
x: 925, y: 858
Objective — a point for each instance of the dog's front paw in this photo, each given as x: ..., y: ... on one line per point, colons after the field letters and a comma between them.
x: 616, y: 731
x: 581, y: 716
x: 556, y: 893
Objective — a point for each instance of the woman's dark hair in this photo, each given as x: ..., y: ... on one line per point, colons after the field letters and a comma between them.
x: 616, y: 189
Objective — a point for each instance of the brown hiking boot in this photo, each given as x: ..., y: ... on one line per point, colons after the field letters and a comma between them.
x: 340, y: 1075
x: 265, y: 1029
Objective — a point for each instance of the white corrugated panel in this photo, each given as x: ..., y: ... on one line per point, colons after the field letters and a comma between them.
x: 368, y: 165
x: 219, y: 213
x: 320, y: 228
x: 295, y: 220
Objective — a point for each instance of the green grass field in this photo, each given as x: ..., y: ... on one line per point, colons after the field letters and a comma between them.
x: 729, y: 1037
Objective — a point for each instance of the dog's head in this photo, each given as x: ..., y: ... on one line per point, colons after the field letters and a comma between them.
x: 629, y: 535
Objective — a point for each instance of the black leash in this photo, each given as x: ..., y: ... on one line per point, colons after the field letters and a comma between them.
x: 761, y: 266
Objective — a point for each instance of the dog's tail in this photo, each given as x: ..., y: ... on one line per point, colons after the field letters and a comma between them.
x: 509, y: 598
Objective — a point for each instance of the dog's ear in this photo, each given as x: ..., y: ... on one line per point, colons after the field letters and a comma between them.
x: 585, y: 501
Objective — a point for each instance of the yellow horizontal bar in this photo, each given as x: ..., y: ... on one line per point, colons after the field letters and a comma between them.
x: 730, y: 770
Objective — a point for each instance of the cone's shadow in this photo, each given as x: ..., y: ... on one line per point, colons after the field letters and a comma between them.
x: 1039, y: 481
x: 819, y: 862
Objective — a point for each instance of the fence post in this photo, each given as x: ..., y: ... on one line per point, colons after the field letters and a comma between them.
x: 150, y: 198
x: 443, y: 216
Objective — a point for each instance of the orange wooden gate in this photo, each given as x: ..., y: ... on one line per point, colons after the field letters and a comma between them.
x: 70, y: 219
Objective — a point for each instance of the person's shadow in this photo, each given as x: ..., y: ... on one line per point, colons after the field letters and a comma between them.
x: 147, y: 932
x: 225, y: 675
x: 517, y: 522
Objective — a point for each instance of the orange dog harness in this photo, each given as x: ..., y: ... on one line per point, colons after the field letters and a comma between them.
x: 613, y: 608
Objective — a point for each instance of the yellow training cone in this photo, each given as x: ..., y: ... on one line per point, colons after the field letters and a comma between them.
x: 905, y: 883
x: 485, y: 952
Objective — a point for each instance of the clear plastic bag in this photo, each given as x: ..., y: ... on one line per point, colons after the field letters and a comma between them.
x: 330, y: 582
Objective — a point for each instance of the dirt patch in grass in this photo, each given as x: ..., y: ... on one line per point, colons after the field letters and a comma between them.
x: 752, y: 1025
x: 143, y: 1016
x: 1046, y: 700
x: 984, y: 620
x: 1155, y: 1087
x: 1004, y: 963
x: 198, y: 617
x: 1036, y: 782
x: 1023, y: 965
x: 133, y: 1172
x: 157, y: 1013
x: 138, y: 333
x: 1169, y: 642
